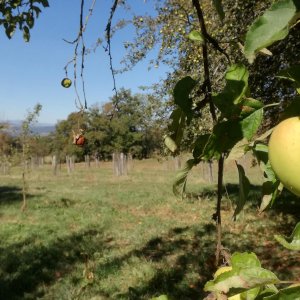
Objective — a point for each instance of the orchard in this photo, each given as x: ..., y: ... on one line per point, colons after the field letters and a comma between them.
x: 233, y: 91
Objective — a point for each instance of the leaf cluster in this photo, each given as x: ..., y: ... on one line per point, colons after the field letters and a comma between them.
x: 20, y: 14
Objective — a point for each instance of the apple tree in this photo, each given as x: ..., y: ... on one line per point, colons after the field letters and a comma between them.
x: 237, y: 116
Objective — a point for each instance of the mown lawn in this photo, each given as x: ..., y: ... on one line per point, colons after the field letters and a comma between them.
x: 91, y: 235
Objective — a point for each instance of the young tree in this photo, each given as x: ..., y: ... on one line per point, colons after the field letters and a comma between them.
x: 25, y: 143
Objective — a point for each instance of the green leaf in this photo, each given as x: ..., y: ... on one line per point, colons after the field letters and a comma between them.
x: 241, y: 278
x: 181, y: 94
x: 251, y: 124
x: 200, y: 145
x: 265, y: 293
x: 181, y: 178
x: 269, y: 172
x: 177, y: 125
x: 16, y: 3
x: 270, y: 191
x: 249, y: 105
x: 225, y: 135
x: 219, y: 8
x: 37, y: 10
x: 244, y: 260
x: 30, y: 20
x: 26, y: 34
x: 244, y: 188
x: 45, y: 3
x: 10, y: 30
x: 292, y: 242
x: 290, y: 293
x: 272, y: 26
x: 250, y: 294
x: 236, y: 87
x: 261, y: 152
x: 238, y: 150
x: 256, y: 276
x: 246, y: 277
x: 197, y: 36
x: 170, y: 144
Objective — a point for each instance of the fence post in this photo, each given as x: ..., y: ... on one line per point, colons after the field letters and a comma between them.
x: 119, y: 164
x: 68, y: 163
x: 54, y: 164
x: 87, y: 160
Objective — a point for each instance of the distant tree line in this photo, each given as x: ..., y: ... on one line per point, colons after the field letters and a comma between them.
x: 126, y: 123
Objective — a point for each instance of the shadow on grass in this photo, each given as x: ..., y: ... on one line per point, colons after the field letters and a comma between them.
x: 12, y: 194
x: 26, y: 266
x: 187, y: 257
x: 188, y: 252
x: 286, y: 203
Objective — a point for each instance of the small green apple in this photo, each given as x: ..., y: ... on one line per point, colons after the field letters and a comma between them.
x: 284, y: 153
x: 66, y: 82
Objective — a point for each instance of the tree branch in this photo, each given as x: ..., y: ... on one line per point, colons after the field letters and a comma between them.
x: 208, y: 99
x: 108, y: 47
x: 208, y: 88
x: 80, y: 39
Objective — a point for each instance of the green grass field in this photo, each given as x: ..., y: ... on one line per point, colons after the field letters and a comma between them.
x: 91, y: 235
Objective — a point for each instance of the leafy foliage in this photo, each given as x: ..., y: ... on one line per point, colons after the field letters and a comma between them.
x: 179, y: 185
x: 246, y: 273
x: 129, y: 124
x: 272, y: 26
x: 292, y: 74
x: 292, y: 242
x: 244, y: 188
x: 20, y: 14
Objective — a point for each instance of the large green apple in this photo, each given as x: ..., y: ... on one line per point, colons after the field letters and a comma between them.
x: 284, y: 153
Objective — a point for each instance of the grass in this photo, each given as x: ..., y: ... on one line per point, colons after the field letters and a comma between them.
x: 91, y: 235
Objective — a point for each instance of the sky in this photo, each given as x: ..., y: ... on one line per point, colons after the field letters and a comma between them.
x: 31, y: 72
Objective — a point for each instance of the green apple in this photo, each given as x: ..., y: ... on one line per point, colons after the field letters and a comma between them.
x: 66, y: 82
x: 284, y: 153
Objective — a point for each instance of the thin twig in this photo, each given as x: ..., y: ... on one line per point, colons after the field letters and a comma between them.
x: 80, y: 41
x: 216, y: 45
x: 108, y: 48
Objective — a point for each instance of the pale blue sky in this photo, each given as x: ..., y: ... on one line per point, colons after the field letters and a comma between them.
x: 32, y: 72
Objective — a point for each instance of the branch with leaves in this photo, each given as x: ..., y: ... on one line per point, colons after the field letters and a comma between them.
x: 20, y: 15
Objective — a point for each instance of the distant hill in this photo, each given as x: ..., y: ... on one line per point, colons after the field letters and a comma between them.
x: 15, y: 127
